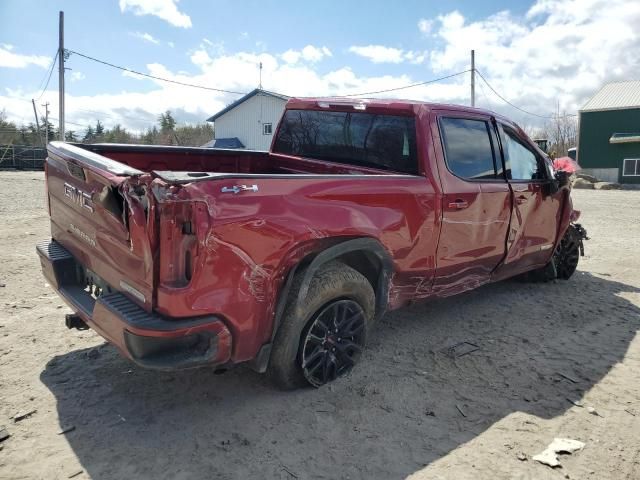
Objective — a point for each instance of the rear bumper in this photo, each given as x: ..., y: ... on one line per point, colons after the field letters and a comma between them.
x: 149, y: 339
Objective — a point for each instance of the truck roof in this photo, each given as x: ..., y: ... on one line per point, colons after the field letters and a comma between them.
x: 391, y: 105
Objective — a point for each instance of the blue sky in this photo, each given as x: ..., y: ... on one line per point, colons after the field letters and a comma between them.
x: 535, y: 53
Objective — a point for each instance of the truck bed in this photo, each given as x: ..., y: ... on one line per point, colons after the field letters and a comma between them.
x: 187, y: 161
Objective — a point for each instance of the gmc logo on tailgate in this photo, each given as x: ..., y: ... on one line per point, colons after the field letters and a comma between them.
x: 78, y: 197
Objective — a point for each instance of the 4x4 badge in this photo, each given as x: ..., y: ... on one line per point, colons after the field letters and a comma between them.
x: 239, y: 188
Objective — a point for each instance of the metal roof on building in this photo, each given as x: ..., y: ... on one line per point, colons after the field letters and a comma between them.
x: 615, y: 96
x: 244, y: 99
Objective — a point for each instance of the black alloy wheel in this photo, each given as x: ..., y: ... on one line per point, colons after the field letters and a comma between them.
x: 334, y: 341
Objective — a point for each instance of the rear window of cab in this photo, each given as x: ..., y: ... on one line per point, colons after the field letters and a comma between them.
x: 386, y: 142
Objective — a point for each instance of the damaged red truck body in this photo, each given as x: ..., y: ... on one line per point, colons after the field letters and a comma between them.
x: 184, y: 257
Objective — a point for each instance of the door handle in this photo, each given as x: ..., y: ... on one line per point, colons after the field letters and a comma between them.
x: 459, y: 204
x: 521, y: 200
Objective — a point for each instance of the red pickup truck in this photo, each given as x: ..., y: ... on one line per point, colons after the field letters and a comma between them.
x: 183, y: 257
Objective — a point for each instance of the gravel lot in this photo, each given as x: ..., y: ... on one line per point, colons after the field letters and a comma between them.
x: 549, y: 355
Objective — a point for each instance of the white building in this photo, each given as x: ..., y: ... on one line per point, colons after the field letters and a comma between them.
x: 249, y: 122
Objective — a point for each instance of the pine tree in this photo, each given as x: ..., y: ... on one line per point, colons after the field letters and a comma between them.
x: 89, y: 135
x: 99, y: 132
x: 167, y: 122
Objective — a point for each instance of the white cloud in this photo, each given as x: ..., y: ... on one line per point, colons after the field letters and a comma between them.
x: 171, y: 44
x: 14, y: 60
x: 561, y: 50
x: 200, y: 57
x: 7, y: 46
x: 531, y: 60
x: 77, y: 76
x: 425, y: 25
x: 235, y: 72
x: 147, y: 37
x: 291, y: 56
x: 382, y: 54
x: 314, y: 54
x: 132, y: 75
x: 309, y: 54
x: 165, y: 9
x: 378, y: 53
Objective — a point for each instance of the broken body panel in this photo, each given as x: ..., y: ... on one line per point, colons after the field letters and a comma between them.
x: 189, y: 233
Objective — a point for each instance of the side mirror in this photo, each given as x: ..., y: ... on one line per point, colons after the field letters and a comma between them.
x: 559, y: 181
x: 562, y: 177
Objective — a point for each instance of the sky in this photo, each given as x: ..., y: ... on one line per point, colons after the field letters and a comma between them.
x: 539, y: 55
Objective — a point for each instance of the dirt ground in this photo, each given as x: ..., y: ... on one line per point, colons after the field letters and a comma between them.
x: 548, y: 355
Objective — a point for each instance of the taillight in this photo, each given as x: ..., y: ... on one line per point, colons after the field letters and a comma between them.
x: 178, y: 244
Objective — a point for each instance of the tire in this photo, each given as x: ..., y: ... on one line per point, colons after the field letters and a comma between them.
x: 567, y: 254
x: 336, y: 291
x: 564, y: 262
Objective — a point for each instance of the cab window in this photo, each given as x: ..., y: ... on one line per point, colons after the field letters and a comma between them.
x: 521, y: 161
x: 469, y: 148
x: 386, y: 142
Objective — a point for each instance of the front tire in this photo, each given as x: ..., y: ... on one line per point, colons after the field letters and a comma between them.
x: 322, y: 335
x: 567, y: 254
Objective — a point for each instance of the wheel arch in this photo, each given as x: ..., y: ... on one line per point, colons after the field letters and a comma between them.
x: 366, y: 255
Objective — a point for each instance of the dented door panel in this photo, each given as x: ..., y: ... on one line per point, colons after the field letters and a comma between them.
x: 475, y: 220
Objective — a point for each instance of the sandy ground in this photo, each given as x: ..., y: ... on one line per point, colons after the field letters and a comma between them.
x: 407, y: 410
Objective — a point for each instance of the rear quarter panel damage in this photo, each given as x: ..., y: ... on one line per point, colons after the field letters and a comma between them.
x: 248, y: 242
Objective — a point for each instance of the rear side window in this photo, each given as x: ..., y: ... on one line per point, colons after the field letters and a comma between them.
x: 520, y: 161
x: 380, y: 141
x: 468, y: 148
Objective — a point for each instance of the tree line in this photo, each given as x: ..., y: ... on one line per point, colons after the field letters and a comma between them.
x: 165, y: 132
x: 561, y: 133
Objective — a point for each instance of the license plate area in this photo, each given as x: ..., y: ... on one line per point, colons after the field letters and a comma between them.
x: 92, y: 283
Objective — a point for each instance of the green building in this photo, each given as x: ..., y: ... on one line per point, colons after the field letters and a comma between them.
x: 609, y: 133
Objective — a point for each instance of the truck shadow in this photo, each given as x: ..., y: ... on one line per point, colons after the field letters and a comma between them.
x: 540, y: 346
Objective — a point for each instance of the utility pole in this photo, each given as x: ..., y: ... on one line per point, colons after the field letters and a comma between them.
x: 35, y: 112
x: 61, y: 75
x: 473, y: 78
x: 46, y: 122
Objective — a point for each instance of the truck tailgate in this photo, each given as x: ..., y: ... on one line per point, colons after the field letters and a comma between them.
x: 103, y: 213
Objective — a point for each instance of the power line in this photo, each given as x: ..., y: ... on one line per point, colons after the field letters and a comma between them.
x: 547, y: 117
x: 67, y: 121
x: 126, y: 116
x: 48, y: 79
x: 244, y: 93
x: 155, y: 77
x: 406, y: 86
x: 507, y: 101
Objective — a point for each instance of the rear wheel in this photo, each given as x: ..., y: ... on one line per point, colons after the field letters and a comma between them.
x: 322, y: 335
x: 334, y: 341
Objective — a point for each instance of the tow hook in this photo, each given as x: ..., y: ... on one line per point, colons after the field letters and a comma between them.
x: 72, y: 320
